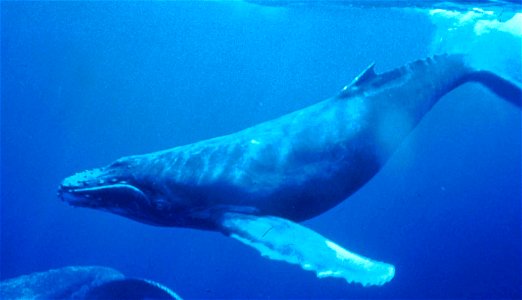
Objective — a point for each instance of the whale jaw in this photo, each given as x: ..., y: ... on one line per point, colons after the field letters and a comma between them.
x: 101, y: 189
x: 95, y: 197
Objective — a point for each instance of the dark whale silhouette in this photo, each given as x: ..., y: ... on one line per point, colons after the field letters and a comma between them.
x: 82, y: 282
x: 254, y: 184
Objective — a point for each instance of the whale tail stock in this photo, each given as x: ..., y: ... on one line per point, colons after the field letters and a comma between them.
x: 505, y: 89
x: 495, y: 79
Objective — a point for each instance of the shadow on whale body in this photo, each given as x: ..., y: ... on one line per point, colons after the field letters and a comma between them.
x: 82, y: 282
x: 131, y: 289
x: 256, y: 184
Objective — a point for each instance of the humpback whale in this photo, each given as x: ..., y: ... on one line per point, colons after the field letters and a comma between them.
x: 257, y: 184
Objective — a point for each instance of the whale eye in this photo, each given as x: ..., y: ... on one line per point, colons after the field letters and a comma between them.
x: 161, y: 204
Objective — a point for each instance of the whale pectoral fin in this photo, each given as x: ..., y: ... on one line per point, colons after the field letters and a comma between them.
x: 281, y: 239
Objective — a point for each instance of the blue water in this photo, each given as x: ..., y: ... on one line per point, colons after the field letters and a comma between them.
x: 86, y: 83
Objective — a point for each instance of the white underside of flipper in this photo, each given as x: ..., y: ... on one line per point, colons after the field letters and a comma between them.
x: 281, y: 239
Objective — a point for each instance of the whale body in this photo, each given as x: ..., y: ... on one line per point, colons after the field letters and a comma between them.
x: 254, y: 185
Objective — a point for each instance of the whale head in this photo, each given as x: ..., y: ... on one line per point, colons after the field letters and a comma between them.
x: 126, y: 187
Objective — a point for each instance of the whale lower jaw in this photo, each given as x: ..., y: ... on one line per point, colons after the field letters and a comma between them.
x: 94, y: 196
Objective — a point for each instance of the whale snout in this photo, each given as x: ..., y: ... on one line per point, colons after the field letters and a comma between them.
x: 70, y: 189
x: 117, y: 189
x: 90, y: 178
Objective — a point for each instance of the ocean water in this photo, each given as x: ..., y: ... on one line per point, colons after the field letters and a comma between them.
x: 86, y: 83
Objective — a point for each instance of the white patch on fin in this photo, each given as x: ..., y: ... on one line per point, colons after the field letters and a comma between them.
x: 281, y: 239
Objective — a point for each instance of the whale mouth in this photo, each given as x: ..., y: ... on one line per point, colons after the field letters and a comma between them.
x: 99, y: 188
x: 100, y: 196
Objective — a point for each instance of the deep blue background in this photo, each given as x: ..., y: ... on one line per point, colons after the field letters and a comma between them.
x: 86, y: 83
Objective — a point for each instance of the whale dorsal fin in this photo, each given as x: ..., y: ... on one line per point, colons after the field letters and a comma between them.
x: 367, y: 75
x: 281, y: 239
